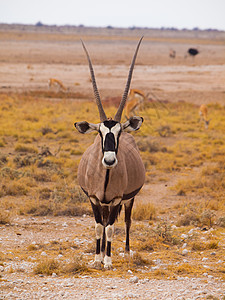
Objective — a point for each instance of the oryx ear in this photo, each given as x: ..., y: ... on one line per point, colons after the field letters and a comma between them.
x: 134, y: 123
x: 85, y: 127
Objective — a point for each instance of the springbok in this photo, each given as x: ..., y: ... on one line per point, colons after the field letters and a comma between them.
x: 52, y: 82
x: 135, y: 99
x: 111, y: 171
x: 203, y: 113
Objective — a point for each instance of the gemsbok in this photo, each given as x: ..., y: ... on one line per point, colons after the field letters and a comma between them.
x: 111, y: 171
x: 203, y: 113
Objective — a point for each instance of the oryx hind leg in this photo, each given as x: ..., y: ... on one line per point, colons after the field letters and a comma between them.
x: 128, y: 208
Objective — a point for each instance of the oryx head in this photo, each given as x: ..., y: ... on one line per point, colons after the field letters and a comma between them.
x: 110, y: 129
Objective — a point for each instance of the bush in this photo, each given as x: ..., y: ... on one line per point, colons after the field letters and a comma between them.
x: 144, y: 211
x: 47, y: 267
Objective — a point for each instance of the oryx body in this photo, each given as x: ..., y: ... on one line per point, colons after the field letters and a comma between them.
x: 111, y: 171
x: 102, y: 184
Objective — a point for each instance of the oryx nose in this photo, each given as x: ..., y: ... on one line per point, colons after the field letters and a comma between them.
x: 109, y: 162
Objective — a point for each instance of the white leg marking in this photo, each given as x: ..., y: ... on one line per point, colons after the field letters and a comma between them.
x: 98, y: 230
x: 107, y: 262
x: 98, y: 261
x: 93, y: 200
x: 109, y: 230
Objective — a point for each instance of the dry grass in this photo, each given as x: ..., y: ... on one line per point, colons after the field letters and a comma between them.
x: 38, y: 176
x: 47, y: 266
x: 144, y: 211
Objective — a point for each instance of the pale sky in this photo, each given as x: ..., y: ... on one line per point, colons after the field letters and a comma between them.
x: 118, y: 13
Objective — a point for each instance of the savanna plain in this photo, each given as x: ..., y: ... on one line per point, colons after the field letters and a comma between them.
x: 47, y: 229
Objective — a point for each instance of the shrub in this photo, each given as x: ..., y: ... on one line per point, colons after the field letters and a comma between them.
x: 25, y: 149
x: 144, y: 211
x: 4, y: 217
x: 188, y: 219
x: 47, y: 267
x: 138, y: 260
x: 77, y: 266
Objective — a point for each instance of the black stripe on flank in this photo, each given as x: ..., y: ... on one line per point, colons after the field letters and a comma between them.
x: 86, y: 193
x: 106, y: 179
x: 130, y: 195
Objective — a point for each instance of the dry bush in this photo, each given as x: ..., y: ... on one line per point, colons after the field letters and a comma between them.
x: 25, y: 149
x: 164, y: 130
x: 151, y: 146
x: 47, y: 267
x: 46, y: 130
x: 42, y: 176
x: 138, y: 260
x: 221, y: 222
x: 2, y: 143
x: 190, y: 218
x: 4, y: 217
x: 144, y: 211
x: 3, y: 160
x: 164, y: 232
x: 23, y: 161
x: 147, y: 245
x: 12, y: 188
x: 76, y: 266
x: 207, y: 218
x: 39, y: 210
x: 201, y: 246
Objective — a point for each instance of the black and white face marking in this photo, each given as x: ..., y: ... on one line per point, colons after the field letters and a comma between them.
x: 110, y: 132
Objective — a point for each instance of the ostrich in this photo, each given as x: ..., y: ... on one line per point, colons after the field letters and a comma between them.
x: 192, y: 52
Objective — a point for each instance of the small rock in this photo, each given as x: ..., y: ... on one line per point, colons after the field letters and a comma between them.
x: 205, y: 259
x: 134, y: 279
x: 185, y: 252
x: 131, y: 295
x: 130, y: 272
x: 184, y: 236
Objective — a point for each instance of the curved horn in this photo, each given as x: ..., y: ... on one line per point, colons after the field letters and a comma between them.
x: 102, y: 114
x: 124, y: 99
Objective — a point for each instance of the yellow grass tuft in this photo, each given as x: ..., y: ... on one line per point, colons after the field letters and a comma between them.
x: 144, y: 211
x: 47, y: 267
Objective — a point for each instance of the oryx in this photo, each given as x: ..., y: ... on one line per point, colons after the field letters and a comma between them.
x: 111, y: 171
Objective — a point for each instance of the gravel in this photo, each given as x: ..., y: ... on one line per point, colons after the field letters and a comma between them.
x: 84, y: 288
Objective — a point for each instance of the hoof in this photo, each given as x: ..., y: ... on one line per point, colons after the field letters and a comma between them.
x: 97, y: 265
x: 107, y: 263
x: 108, y: 266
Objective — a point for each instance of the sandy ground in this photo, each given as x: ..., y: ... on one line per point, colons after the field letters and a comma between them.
x: 27, y: 62
x: 28, y: 59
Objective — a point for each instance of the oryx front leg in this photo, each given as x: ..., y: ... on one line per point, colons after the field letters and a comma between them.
x: 98, y: 256
x: 109, y: 230
x: 98, y: 232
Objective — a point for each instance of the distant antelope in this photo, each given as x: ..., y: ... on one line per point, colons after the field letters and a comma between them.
x: 111, y: 171
x: 135, y: 99
x: 203, y: 113
x: 57, y: 83
x: 172, y: 53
